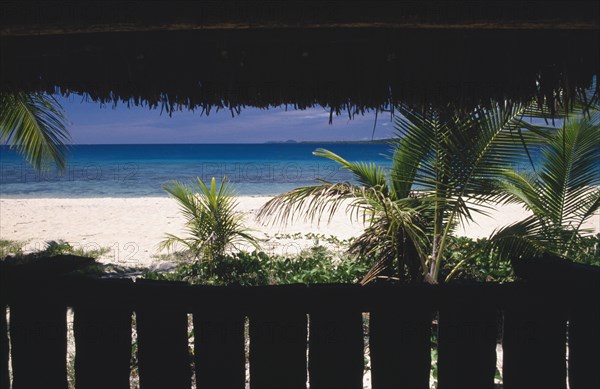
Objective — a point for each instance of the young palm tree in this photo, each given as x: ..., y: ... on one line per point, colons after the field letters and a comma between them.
x: 395, y: 224
x: 562, y: 194
x: 35, y: 125
x: 212, y: 223
x: 443, y: 164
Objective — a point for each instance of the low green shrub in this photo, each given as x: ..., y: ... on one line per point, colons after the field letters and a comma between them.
x: 10, y: 247
x: 470, y: 260
x: 311, y: 266
x: 60, y: 247
x: 316, y: 265
x: 590, y: 250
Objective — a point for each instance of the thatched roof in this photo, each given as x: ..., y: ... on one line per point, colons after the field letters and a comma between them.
x: 60, y: 17
x: 347, y: 57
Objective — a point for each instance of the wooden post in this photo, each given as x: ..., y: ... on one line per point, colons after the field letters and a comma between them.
x: 584, y: 337
x: 467, y: 346
x: 278, y: 343
x: 400, y: 347
x: 219, y: 352
x: 37, y: 297
x: 38, y: 333
x: 336, y: 352
x: 102, y: 329
x: 4, y: 376
x: 534, y: 341
x: 162, y: 330
x: 584, y: 345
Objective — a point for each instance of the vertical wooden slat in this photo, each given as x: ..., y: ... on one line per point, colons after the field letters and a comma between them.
x: 102, y: 330
x: 400, y: 347
x: 466, y: 346
x: 37, y: 297
x: 534, y: 345
x: 4, y: 376
x: 38, y: 333
x: 336, y: 349
x: 278, y: 350
x: 584, y: 346
x: 219, y: 352
x: 162, y: 335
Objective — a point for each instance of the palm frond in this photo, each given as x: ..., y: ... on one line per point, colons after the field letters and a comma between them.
x: 417, y: 135
x: 524, y: 239
x: 563, y: 194
x: 35, y: 125
x: 367, y: 174
x: 395, y: 227
x: 571, y: 167
x: 520, y: 188
x: 310, y: 203
x: 212, y: 224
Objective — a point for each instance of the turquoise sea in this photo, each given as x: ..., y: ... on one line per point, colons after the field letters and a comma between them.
x: 141, y: 170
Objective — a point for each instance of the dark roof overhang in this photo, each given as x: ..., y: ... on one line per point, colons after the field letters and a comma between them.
x: 348, y: 57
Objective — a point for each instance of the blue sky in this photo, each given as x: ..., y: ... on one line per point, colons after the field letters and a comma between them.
x: 92, y: 123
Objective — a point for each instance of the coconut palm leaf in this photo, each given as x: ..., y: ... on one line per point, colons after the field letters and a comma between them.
x: 308, y: 202
x: 562, y: 195
x: 390, y: 222
x: 443, y: 170
x: 35, y: 125
x: 520, y: 188
x: 453, y: 157
x: 417, y: 135
x: 212, y: 224
x: 395, y: 233
x: 524, y: 239
x: 367, y: 174
x: 315, y: 202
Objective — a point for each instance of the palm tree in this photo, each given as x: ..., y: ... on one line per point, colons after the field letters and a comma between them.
x: 35, y: 125
x: 561, y: 195
x: 395, y: 224
x: 212, y: 223
x: 443, y: 166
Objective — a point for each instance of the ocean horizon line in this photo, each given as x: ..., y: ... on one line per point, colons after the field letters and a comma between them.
x: 274, y: 142
x: 133, y: 170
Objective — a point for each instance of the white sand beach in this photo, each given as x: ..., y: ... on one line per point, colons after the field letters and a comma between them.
x: 133, y: 227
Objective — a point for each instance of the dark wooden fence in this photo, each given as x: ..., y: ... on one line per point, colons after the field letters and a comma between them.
x: 299, y: 333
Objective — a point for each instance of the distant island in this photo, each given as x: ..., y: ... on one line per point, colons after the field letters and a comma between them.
x: 282, y: 141
x: 292, y: 141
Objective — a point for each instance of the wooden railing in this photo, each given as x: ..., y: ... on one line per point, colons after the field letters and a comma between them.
x: 299, y: 334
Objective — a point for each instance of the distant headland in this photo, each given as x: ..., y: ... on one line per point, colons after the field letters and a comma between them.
x: 292, y: 141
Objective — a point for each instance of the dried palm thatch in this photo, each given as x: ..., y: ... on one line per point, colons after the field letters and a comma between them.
x: 22, y: 17
x: 347, y: 58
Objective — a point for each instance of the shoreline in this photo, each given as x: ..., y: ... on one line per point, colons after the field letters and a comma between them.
x: 132, y: 227
x: 166, y: 196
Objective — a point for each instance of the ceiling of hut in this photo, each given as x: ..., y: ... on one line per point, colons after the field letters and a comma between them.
x: 343, y: 57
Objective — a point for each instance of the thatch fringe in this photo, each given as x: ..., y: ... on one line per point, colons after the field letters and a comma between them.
x: 59, y: 17
x: 346, y: 71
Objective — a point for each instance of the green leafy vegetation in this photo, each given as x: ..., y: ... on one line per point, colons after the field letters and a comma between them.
x: 466, y: 260
x: 471, y: 260
x: 562, y: 194
x: 60, y: 247
x: 213, y: 225
x: 443, y: 164
x: 589, y: 250
x: 311, y: 266
x: 477, y: 260
x: 14, y: 249
x: 11, y: 247
x: 34, y: 124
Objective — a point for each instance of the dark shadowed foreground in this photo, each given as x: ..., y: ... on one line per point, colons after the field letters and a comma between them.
x: 286, y: 321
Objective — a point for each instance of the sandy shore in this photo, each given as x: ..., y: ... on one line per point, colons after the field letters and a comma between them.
x: 133, y: 227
